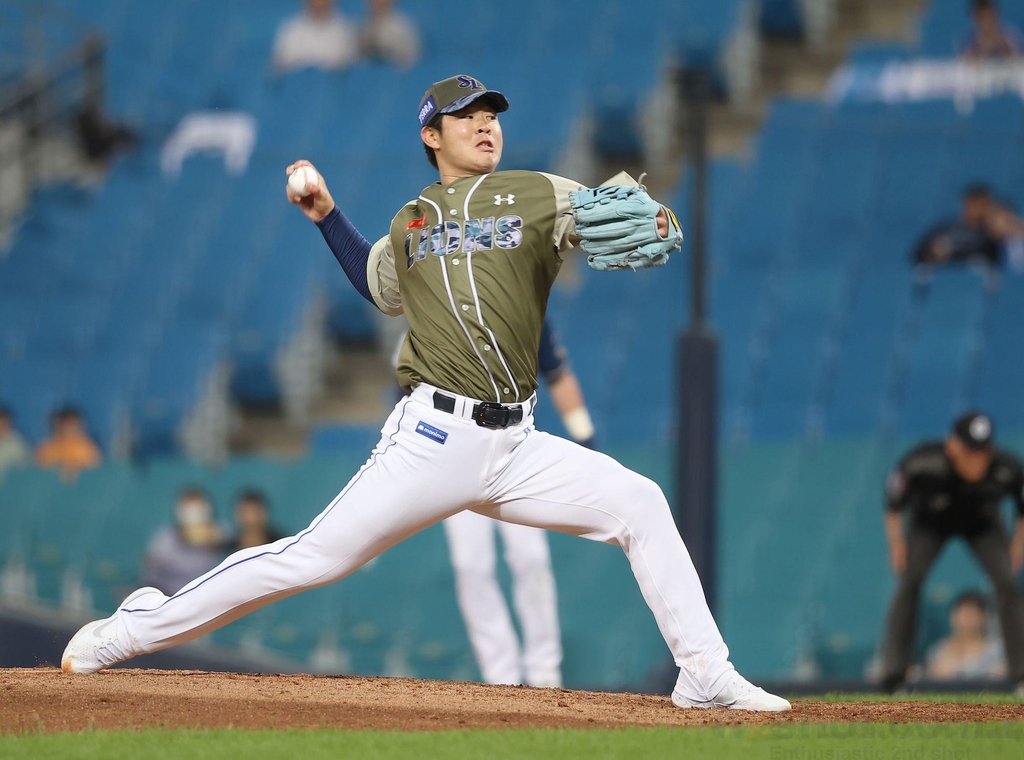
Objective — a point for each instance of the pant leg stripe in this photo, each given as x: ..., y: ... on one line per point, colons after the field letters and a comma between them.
x: 301, y: 535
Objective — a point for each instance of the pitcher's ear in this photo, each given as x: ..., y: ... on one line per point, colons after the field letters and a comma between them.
x: 431, y: 137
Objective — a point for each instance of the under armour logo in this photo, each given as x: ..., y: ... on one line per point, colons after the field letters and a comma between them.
x: 509, y: 199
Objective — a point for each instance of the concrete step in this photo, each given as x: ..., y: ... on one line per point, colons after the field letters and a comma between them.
x: 791, y: 67
x: 359, y: 390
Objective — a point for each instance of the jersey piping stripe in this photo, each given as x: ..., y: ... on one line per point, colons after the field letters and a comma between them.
x: 480, y: 317
x: 451, y: 300
x: 455, y: 310
x: 465, y: 206
x: 298, y: 537
x: 476, y: 298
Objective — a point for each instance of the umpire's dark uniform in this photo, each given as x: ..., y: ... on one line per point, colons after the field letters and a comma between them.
x: 942, y: 505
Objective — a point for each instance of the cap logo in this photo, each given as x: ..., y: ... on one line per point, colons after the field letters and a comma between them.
x: 980, y: 428
x: 465, y: 82
x: 428, y: 108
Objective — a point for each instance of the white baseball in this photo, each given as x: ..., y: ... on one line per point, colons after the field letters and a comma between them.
x: 302, y: 176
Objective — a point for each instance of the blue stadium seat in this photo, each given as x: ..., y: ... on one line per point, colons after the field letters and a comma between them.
x: 876, y: 53
x: 333, y: 438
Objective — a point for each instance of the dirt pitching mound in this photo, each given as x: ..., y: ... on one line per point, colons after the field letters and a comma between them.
x: 46, y: 700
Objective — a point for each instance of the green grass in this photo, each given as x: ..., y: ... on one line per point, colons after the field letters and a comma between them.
x: 965, y: 698
x: 849, y: 741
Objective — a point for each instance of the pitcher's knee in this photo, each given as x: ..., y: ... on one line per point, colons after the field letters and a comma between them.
x: 640, y: 506
x: 654, y: 492
x: 647, y: 497
x: 315, y: 564
x: 322, y: 572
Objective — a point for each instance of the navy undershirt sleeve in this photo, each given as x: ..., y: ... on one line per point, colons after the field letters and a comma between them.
x: 551, y: 356
x: 350, y: 248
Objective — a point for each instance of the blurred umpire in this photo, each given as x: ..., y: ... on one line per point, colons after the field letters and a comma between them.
x: 954, y: 488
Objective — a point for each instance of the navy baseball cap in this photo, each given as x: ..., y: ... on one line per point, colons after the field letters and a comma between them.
x: 975, y: 430
x: 455, y: 93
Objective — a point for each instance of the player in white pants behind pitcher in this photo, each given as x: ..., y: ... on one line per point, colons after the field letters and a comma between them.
x: 470, y: 262
x: 472, y: 546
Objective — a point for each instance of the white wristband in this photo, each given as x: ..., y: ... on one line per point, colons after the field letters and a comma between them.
x: 577, y: 422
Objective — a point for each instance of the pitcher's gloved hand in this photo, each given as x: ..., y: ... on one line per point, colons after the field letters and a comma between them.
x: 618, y: 227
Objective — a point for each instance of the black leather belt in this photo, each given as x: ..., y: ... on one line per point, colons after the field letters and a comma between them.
x: 488, y: 414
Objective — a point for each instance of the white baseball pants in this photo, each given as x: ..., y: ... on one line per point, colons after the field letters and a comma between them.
x: 473, y: 549
x: 429, y: 465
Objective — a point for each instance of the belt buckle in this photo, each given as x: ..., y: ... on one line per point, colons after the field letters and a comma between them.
x: 490, y: 414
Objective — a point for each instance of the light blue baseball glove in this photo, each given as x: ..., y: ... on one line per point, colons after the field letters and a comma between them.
x: 618, y: 228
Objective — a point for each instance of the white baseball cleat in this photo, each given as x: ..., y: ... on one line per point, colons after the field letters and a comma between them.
x: 95, y: 646
x: 738, y: 694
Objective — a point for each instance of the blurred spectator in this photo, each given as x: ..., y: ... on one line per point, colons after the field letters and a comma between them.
x: 14, y: 452
x: 318, y: 37
x: 985, y: 229
x: 390, y: 35
x: 1008, y: 228
x: 69, y: 447
x: 990, y: 38
x: 187, y: 549
x: 954, y: 488
x: 252, y: 522
x: 969, y: 652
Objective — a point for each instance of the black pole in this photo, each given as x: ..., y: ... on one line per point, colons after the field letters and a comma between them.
x: 695, y: 87
x: 697, y: 376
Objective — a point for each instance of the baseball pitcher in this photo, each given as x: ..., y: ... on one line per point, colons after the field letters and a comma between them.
x: 470, y: 261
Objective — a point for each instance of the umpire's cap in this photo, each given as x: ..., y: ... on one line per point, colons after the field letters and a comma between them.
x: 454, y: 94
x: 975, y: 430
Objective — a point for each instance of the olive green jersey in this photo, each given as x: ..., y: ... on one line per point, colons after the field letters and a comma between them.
x: 471, y: 264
